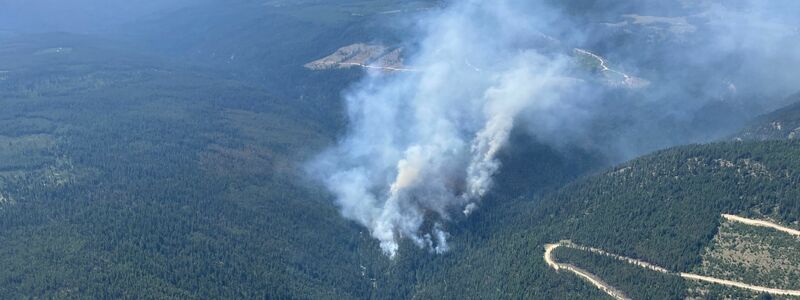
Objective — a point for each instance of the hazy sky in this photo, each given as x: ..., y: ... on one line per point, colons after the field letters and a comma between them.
x: 78, y: 15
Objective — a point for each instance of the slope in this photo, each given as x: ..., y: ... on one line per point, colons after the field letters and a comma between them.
x: 663, y: 208
x: 145, y: 179
x: 781, y: 124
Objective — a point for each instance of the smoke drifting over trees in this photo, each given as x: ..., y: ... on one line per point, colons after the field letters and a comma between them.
x: 422, y: 146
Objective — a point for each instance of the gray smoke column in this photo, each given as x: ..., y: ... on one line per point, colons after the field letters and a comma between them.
x: 423, y: 145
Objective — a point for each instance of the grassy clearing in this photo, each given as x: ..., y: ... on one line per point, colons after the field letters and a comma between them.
x: 754, y: 255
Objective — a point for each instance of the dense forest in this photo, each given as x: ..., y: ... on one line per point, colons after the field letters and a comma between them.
x: 146, y: 182
x: 136, y: 169
x: 670, y: 228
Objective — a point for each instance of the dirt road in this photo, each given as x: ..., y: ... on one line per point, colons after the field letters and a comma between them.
x: 760, y: 223
x: 391, y: 69
x: 613, y: 292
x: 591, y: 278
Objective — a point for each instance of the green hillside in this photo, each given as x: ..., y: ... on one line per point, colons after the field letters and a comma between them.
x: 122, y: 177
x: 134, y: 168
x: 663, y: 208
x: 781, y: 124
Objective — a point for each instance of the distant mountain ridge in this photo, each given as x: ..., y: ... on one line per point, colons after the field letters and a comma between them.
x: 780, y: 124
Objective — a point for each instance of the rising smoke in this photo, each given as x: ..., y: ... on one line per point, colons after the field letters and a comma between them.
x: 422, y: 146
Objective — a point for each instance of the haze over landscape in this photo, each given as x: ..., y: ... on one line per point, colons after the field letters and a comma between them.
x: 399, y: 149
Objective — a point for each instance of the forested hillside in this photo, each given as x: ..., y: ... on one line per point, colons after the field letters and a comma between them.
x: 781, y: 124
x: 166, y: 156
x: 663, y: 208
x: 122, y: 176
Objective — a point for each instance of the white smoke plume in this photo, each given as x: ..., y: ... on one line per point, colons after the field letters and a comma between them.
x: 422, y: 146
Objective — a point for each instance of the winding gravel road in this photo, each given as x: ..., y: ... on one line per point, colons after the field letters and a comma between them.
x: 617, y: 294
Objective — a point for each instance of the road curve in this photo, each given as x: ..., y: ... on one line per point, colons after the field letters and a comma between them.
x: 603, y: 65
x: 591, y: 278
x: 616, y: 294
x: 760, y: 223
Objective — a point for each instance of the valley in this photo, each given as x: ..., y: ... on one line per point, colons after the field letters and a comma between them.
x: 171, y: 150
